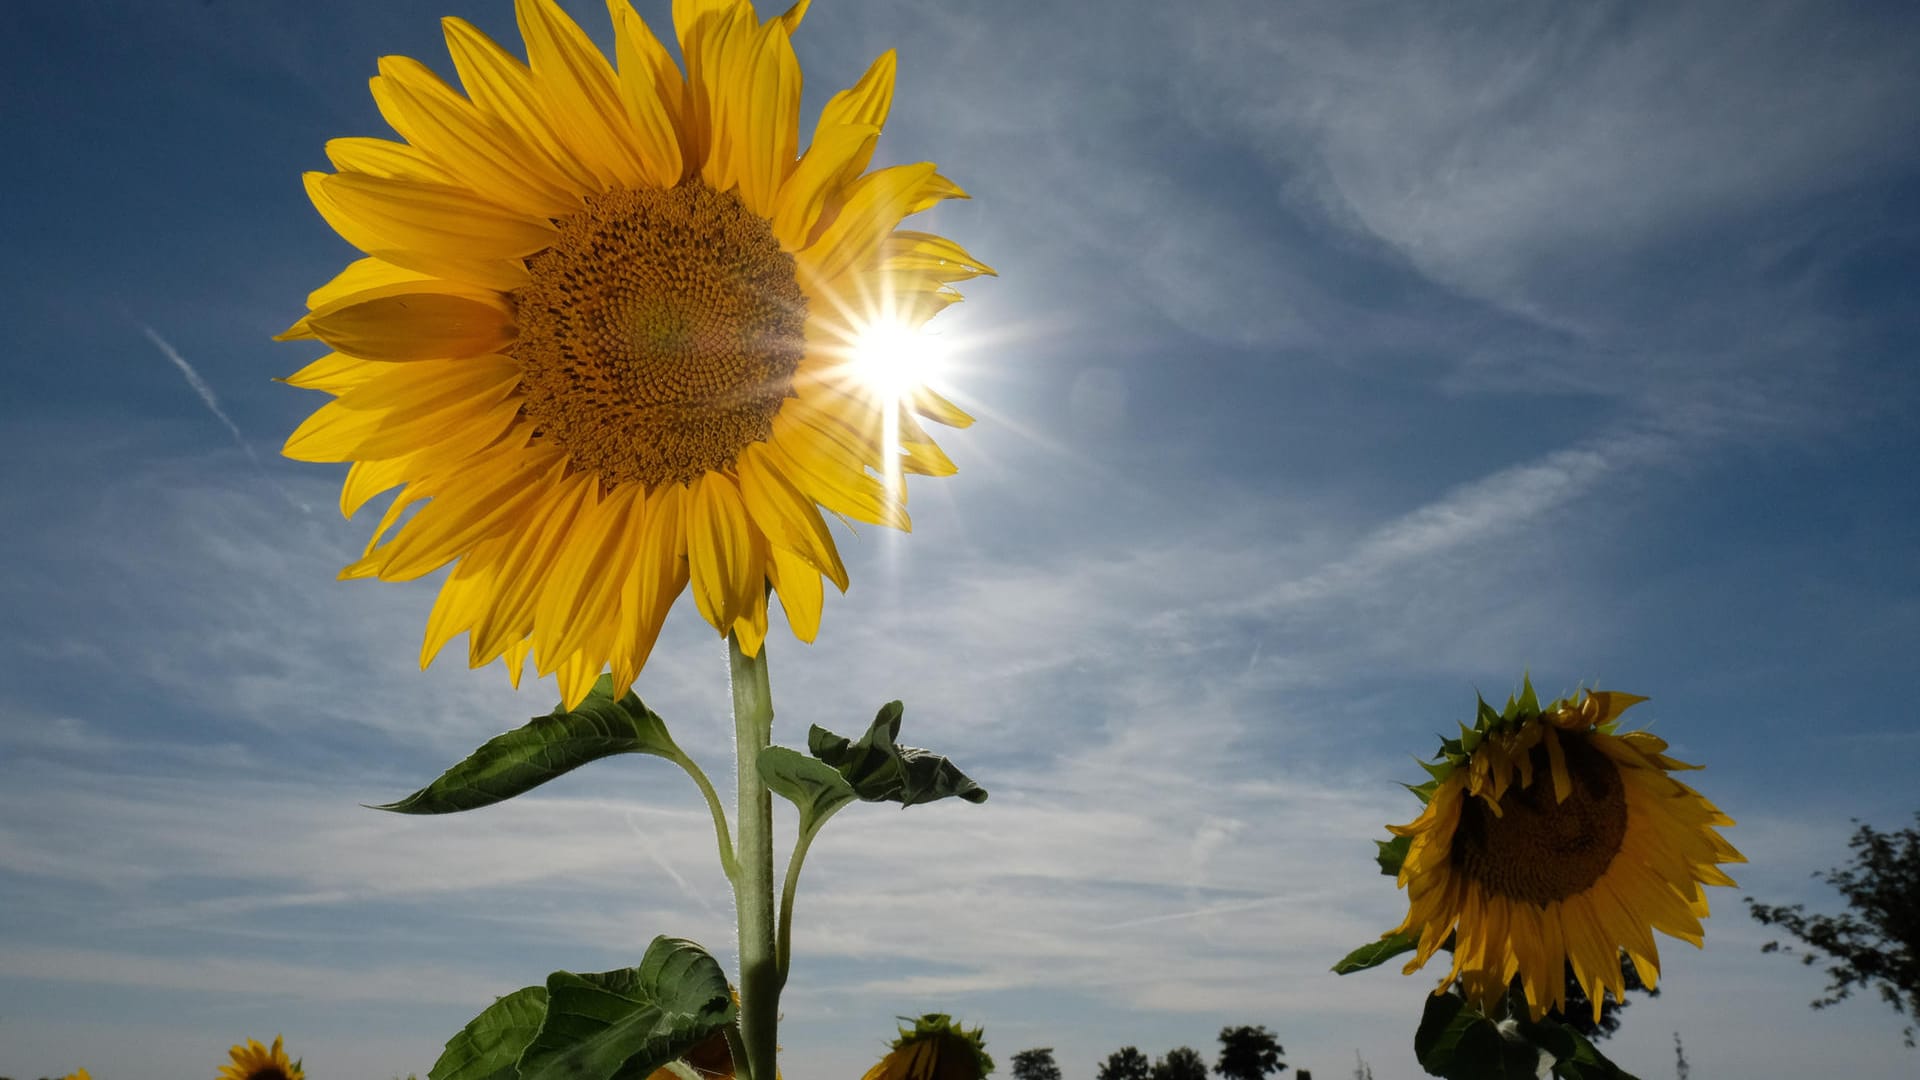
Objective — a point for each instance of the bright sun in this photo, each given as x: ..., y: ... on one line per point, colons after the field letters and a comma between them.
x: 891, y: 359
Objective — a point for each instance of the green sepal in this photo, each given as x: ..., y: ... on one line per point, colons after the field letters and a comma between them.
x: 1422, y: 791
x: 545, y: 747
x: 1392, y: 853
x: 1458, y: 1042
x: 624, y: 1024
x: 816, y: 788
x: 1485, y: 719
x: 1375, y: 953
x: 881, y: 770
x: 1438, y: 770
x: 490, y: 1045
x: 1470, y: 738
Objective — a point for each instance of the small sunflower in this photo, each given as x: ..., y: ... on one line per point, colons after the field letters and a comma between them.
x: 78, y: 1074
x: 256, y: 1062
x: 606, y: 334
x: 936, y: 1047
x: 1550, y: 841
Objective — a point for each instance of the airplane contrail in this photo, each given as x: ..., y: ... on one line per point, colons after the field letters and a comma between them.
x: 212, y: 402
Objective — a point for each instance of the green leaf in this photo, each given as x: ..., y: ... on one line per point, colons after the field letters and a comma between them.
x: 1587, y: 1063
x: 547, y: 746
x: 1392, y: 853
x: 1458, y: 1042
x: 622, y: 1025
x: 1375, y: 953
x: 816, y: 787
x: 488, y: 1047
x: 881, y: 770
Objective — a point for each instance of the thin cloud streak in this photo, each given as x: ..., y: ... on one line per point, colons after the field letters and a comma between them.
x: 212, y: 402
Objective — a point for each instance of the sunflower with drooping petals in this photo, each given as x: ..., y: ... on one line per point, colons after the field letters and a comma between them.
x: 936, y: 1047
x: 256, y: 1062
x: 602, y: 336
x: 1550, y: 841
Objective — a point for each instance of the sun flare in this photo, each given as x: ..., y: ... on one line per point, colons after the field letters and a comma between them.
x: 891, y: 359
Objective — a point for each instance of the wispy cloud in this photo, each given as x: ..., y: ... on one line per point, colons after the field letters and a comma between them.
x: 212, y: 402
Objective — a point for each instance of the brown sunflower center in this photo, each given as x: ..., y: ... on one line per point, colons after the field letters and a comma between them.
x: 1540, y: 850
x: 660, y: 333
x: 268, y: 1072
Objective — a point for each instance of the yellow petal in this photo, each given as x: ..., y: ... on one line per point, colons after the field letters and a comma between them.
x: 790, y: 19
x: 334, y: 373
x: 828, y: 165
x: 404, y: 410
x: 937, y: 256
x: 875, y: 204
x: 865, y: 102
x: 786, y: 516
x: 473, y: 146
x: 503, y: 88
x: 767, y: 106
x: 455, y: 521
x: 653, y: 581
x: 579, y: 595
x: 935, y: 189
x: 387, y: 159
x: 377, y: 221
x: 582, y: 97
x: 405, y: 322
x: 801, y: 596
x: 359, y: 276
x: 650, y: 91
x: 719, y: 550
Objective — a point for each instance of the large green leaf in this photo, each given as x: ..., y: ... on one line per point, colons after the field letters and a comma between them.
x: 816, y: 787
x: 1376, y: 953
x: 547, y: 746
x: 488, y: 1047
x: 1458, y: 1042
x: 1587, y: 1063
x: 622, y: 1025
x: 881, y: 770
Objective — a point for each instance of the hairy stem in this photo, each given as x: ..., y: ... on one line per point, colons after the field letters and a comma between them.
x: 753, y: 863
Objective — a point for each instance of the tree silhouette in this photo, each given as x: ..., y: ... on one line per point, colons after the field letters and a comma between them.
x: 1126, y: 1063
x: 1875, y: 945
x: 1249, y: 1053
x: 1181, y: 1063
x: 1035, y: 1065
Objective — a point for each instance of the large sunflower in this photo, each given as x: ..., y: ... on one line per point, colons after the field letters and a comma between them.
x: 1549, y: 840
x: 604, y: 334
x: 256, y: 1062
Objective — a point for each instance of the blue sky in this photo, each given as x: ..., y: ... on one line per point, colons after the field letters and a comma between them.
x: 1346, y: 358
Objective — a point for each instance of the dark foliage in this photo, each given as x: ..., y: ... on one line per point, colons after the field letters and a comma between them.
x: 1876, y: 945
x: 1035, y: 1065
x: 1181, y: 1063
x: 1126, y: 1063
x: 1249, y: 1053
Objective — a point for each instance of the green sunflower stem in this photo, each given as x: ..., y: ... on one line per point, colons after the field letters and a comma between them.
x: 753, y: 862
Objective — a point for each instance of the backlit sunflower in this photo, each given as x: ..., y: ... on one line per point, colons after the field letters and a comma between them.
x: 936, y: 1047
x: 1548, y: 841
x: 606, y: 335
x: 256, y: 1062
